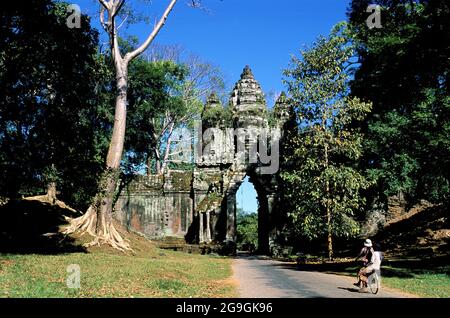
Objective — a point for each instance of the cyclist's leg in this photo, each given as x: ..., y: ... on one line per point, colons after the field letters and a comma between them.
x: 367, y: 271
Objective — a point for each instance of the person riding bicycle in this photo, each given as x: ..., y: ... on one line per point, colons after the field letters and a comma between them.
x: 371, y: 262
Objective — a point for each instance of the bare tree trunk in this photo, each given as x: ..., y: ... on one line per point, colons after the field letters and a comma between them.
x: 167, y: 152
x: 51, y: 192
x: 329, y: 225
x: 330, y: 235
x: 149, y: 163
x: 157, y: 161
x: 98, y: 219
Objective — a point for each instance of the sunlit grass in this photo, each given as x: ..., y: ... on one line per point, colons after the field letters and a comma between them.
x: 165, y: 274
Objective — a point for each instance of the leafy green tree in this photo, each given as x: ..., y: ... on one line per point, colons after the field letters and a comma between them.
x: 166, y: 95
x: 324, y: 185
x: 154, y: 112
x: 52, y: 110
x: 247, y: 228
x: 404, y: 72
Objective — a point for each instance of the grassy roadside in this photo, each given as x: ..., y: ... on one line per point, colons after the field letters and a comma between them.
x: 423, y: 285
x: 163, y: 274
x: 34, y: 256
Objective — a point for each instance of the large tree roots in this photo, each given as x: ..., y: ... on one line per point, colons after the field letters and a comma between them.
x: 106, y: 233
x: 51, y: 198
x: 53, y: 201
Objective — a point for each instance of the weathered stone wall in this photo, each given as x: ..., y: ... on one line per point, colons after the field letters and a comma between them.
x: 157, y: 206
x: 201, y: 205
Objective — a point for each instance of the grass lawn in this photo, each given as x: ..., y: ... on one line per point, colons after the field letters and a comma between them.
x: 35, y: 265
x: 424, y: 283
x: 163, y: 274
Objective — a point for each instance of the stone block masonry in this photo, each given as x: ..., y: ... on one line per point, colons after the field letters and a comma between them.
x: 200, y: 205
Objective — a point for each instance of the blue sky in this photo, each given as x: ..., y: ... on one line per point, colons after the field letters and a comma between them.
x: 246, y: 197
x: 233, y: 33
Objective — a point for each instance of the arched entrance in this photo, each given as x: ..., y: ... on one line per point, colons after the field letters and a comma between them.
x: 250, y: 148
x: 200, y: 205
x: 247, y: 217
x: 265, y: 201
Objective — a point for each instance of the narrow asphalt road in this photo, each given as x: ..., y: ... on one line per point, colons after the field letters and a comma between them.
x: 265, y: 278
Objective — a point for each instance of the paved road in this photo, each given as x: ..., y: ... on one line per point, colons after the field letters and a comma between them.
x: 265, y: 278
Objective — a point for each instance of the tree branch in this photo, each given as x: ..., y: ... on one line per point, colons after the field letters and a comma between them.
x: 117, y: 8
x: 105, y: 4
x: 121, y: 24
x: 167, y: 152
x: 102, y: 19
x: 130, y: 56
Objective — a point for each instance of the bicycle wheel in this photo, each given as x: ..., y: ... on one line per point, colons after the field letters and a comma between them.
x: 373, y: 283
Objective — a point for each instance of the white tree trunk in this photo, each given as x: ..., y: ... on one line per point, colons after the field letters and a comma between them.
x: 98, y: 219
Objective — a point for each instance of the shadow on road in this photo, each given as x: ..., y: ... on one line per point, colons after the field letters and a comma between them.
x: 400, y: 268
x: 353, y: 290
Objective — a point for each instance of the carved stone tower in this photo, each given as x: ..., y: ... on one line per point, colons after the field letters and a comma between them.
x: 200, y: 206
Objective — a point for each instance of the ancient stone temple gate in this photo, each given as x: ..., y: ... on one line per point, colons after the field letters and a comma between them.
x: 200, y: 205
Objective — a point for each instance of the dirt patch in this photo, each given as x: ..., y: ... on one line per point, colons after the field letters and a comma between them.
x: 140, y: 245
x: 5, y: 263
x: 418, y: 208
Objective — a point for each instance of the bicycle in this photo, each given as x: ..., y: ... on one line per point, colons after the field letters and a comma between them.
x: 373, y: 282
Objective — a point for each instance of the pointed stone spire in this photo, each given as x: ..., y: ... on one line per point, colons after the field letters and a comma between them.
x: 248, y: 102
x: 211, y: 106
x: 284, y: 112
x: 212, y: 101
x: 282, y: 98
x: 247, y: 73
x: 280, y: 105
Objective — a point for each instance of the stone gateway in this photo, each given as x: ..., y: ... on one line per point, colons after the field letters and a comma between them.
x: 200, y: 205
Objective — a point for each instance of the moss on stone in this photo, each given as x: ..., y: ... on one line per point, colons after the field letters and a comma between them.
x: 210, y: 202
x: 181, y: 181
x: 216, y: 117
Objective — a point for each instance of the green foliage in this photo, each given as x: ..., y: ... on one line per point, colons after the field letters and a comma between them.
x: 152, y: 107
x: 247, y: 228
x: 217, y: 117
x: 52, y: 112
x: 404, y: 72
x: 324, y: 179
x: 164, y: 96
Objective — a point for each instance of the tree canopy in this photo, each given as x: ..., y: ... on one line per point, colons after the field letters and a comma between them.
x: 52, y: 114
x: 324, y: 184
x: 404, y: 72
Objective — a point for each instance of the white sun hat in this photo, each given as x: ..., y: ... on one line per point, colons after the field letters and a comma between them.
x: 368, y: 243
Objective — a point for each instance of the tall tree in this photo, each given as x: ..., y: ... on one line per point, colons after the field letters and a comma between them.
x: 167, y: 89
x: 404, y: 71
x: 51, y: 127
x: 200, y: 81
x: 156, y: 108
x: 97, y: 221
x: 324, y: 184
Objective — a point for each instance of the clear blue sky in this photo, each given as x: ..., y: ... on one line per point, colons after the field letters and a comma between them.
x: 246, y: 197
x: 233, y: 33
